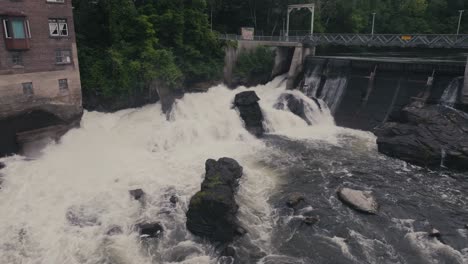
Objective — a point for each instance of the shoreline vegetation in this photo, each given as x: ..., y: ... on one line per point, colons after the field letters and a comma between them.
x: 130, y: 49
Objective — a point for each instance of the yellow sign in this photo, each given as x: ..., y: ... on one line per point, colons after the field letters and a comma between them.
x: 406, y: 38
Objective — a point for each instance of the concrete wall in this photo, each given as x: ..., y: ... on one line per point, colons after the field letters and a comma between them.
x: 297, y: 64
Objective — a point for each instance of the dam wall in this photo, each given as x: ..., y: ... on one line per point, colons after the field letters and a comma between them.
x: 365, y: 93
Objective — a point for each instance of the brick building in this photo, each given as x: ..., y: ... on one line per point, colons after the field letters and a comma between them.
x: 38, y: 61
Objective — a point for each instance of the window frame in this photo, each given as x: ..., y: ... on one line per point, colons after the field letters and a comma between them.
x: 60, y: 24
x: 17, y: 58
x: 62, y: 62
x: 8, y: 31
x: 63, y: 85
x: 28, y: 88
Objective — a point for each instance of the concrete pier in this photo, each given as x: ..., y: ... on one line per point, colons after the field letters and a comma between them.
x: 297, y: 63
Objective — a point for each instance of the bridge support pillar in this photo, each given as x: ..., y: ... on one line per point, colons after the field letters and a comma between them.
x: 297, y: 64
x: 465, y: 85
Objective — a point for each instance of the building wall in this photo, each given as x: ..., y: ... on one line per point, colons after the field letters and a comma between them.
x: 39, y: 64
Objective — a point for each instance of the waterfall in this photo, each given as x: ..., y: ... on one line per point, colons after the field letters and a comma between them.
x: 327, y: 83
x: 451, y: 94
x: 59, y: 207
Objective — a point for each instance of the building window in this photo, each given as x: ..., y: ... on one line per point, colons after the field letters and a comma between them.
x: 17, y: 58
x: 63, y: 85
x: 58, y: 27
x: 28, y: 88
x: 62, y: 56
x: 16, y: 28
x: 55, y: 1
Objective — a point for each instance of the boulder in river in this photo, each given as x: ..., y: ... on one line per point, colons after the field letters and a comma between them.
x: 212, y: 211
x: 362, y: 201
x: 2, y: 165
x: 296, y: 105
x: 137, y: 194
x: 295, y: 199
x: 250, y: 112
x: 150, y: 230
x: 311, y: 220
x: 431, y: 136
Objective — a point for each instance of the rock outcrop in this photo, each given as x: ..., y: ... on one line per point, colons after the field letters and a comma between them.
x: 137, y: 194
x: 150, y: 230
x: 212, y: 211
x: 430, y: 136
x: 296, y: 105
x: 250, y: 112
x: 362, y: 201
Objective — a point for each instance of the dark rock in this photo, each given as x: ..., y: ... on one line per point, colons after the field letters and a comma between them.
x: 173, y: 199
x: 311, y: 220
x: 435, y: 233
x: 295, y: 199
x: 466, y: 226
x: 150, y: 230
x: 362, y: 201
x: 294, y: 104
x: 137, y: 194
x: 240, y: 231
x: 250, y: 112
x: 2, y: 165
x: 114, y: 230
x: 212, y: 211
x: 430, y: 136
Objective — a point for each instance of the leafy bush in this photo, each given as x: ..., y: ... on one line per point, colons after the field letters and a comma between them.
x: 255, y: 66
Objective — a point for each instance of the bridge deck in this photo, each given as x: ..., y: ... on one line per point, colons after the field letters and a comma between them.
x: 376, y: 40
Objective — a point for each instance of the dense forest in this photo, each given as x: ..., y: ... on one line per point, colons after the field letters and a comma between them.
x: 129, y: 46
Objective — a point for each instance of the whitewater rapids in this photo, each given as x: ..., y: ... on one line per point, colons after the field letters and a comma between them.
x: 93, y: 167
x: 88, y: 174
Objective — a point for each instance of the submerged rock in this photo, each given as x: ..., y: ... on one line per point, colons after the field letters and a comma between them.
x: 311, y: 220
x: 137, y: 194
x: 2, y: 165
x: 430, y: 136
x: 250, y: 112
x: 435, y: 233
x: 212, y: 211
x: 114, y: 230
x: 295, y: 199
x: 82, y: 216
x: 174, y: 199
x: 150, y: 230
x: 362, y: 201
x: 294, y: 104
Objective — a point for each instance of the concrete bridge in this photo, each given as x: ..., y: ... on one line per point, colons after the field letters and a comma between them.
x: 367, y: 40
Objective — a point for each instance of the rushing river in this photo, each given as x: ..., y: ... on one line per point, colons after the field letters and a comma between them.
x: 58, y: 208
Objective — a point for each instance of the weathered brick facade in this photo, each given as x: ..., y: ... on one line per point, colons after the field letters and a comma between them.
x: 40, y: 92
x: 38, y: 64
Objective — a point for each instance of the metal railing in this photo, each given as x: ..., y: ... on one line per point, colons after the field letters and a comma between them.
x: 376, y: 40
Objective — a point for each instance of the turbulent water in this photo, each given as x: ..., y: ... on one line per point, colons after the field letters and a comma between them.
x: 59, y: 207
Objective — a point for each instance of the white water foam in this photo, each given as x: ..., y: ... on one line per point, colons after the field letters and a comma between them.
x: 89, y: 173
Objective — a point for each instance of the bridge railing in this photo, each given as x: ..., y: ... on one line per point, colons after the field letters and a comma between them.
x: 376, y: 40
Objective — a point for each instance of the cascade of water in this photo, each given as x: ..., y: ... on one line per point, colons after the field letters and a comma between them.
x: 60, y: 207
x: 451, y: 93
x: 332, y: 89
x: 312, y: 81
